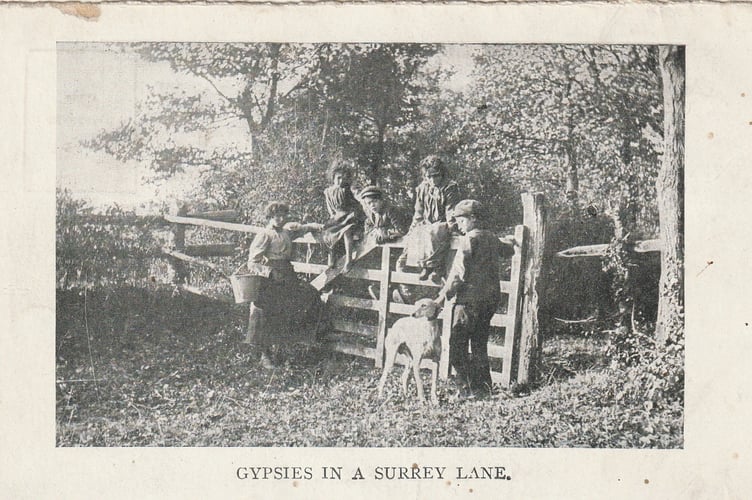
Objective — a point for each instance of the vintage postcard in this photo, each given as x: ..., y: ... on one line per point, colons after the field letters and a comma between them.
x: 314, y: 251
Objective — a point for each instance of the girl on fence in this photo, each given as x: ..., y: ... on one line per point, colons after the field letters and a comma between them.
x: 428, y: 239
x: 287, y: 309
x: 343, y: 211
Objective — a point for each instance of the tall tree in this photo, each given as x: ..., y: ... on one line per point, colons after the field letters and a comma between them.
x: 265, y: 120
x: 576, y: 122
x: 670, y: 188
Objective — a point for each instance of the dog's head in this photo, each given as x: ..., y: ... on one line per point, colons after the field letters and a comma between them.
x: 426, y: 308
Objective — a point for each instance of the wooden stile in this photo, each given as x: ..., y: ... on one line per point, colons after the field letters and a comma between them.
x: 518, y: 353
x: 330, y: 274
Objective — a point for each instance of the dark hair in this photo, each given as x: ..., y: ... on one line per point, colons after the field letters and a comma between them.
x: 433, y: 163
x: 338, y: 167
x: 277, y: 209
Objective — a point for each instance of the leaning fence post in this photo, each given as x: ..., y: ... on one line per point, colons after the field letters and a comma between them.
x: 383, y: 304
x: 534, y: 219
x: 180, y: 269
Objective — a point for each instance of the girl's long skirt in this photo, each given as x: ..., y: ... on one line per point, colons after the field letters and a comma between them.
x: 335, y: 228
x: 291, y: 311
x: 428, y: 244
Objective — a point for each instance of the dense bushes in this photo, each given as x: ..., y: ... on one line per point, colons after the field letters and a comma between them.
x: 92, y: 252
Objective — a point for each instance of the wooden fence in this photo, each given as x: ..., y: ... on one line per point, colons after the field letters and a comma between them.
x: 361, y: 319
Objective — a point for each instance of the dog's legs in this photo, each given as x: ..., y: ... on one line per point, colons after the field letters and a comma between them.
x: 434, y: 376
x: 405, y: 377
x: 418, y: 382
x: 391, y: 353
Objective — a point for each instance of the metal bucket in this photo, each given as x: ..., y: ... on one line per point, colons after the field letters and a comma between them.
x: 246, y: 287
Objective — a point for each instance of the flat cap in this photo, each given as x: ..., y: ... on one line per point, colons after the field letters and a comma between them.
x: 370, y: 192
x: 467, y: 208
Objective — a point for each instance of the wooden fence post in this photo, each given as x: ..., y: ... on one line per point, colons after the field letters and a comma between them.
x: 447, y: 318
x: 512, y: 334
x: 534, y: 219
x: 383, y: 304
x: 180, y: 269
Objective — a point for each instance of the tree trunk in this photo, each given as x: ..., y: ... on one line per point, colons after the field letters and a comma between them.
x: 271, y: 101
x: 378, y: 155
x: 573, y: 181
x: 670, y: 188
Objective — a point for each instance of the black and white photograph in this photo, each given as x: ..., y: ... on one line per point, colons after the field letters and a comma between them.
x: 384, y: 250
x: 284, y: 244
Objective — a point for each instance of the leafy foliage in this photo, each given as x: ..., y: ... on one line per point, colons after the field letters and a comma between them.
x: 168, y: 371
x: 291, y: 110
x: 92, y: 253
x: 575, y: 122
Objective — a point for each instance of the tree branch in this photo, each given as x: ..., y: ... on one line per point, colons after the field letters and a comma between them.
x: 228, y: 99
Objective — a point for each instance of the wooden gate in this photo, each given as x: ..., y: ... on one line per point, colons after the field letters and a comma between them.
x: 361, y: 319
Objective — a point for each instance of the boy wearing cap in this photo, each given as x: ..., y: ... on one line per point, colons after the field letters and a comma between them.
x: 380, y: 224
x: 474, y: 282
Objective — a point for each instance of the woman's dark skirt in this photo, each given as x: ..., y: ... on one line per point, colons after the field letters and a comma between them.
x: 292, y: 309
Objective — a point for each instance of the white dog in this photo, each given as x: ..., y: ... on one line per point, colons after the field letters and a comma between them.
x: 421, y: 335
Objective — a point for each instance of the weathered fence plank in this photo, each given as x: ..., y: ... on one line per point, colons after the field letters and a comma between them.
x: 353, y: 302
x: 193, y: 221
x: 180, y: 256
x: 308, y: 268
x: 513, y: 320
x: 181, y: 271
x: 534, y: 219
x: 383, y: 304
x: 331, y: 273
x: 218, y: 215
x: 354, y: 327
x: 121, y: 220
x: 447, y: 318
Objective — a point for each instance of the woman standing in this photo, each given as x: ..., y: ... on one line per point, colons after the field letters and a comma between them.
x: 287, y: 309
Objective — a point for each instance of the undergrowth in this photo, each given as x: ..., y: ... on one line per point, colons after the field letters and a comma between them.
x: 149, y: 368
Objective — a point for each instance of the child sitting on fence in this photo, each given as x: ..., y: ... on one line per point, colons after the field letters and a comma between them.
x: 380, y: 225
x: 430, y: 231
x: 343, y: 211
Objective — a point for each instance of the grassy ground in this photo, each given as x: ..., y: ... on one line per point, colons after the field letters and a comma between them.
x: 170, y: 372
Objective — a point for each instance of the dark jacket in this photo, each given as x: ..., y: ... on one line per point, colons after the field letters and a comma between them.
x: 474, y: 276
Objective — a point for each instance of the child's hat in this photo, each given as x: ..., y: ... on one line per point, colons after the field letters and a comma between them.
x: 371, y: 192
x: 467, y: 208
